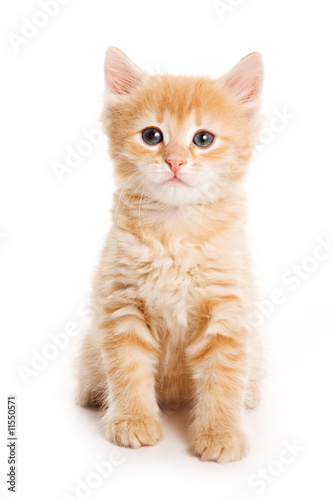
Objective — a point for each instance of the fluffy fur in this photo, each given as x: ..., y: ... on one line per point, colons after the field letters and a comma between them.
x: 173, y: 290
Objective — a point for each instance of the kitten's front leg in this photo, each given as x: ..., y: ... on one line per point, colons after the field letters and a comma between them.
x: 218, y: 361
x: 130, y: 356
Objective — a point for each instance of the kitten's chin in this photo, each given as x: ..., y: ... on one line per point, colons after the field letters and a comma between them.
x: 177, y: 193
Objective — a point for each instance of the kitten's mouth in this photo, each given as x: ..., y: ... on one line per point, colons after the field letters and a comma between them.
x: 175, y: 180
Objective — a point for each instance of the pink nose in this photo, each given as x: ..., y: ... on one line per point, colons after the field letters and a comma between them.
x: 175, y: 163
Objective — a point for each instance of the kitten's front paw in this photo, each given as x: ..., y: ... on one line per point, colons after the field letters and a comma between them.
x: 221, y: 446
x: 134, y: 432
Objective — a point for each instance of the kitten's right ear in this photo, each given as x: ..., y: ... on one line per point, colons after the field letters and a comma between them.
x: 121, y: 74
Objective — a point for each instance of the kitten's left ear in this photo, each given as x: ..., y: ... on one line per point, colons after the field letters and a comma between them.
x: 121, y: 74
x: 245, y: 79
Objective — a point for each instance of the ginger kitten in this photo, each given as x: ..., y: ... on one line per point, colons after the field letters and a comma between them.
x: 173, y: 290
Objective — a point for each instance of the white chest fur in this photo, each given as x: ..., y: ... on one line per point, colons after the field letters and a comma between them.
x: 164, y: 284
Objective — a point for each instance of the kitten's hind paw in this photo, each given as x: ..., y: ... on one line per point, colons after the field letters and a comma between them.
x: 221, y: 446
x: 253, y: 395
x: 90, y: 398
x: 134, y: 432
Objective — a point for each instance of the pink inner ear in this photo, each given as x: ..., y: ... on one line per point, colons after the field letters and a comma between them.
x: 121, y: 74
x: 245, y: 79
x: 118, y: 83
x: 246, y: 88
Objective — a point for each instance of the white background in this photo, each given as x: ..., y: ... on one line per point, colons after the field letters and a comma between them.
x: 51, y: 234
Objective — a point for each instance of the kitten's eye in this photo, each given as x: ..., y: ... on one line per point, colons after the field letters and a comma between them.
x: 152, y: 136
x: 203, y: 139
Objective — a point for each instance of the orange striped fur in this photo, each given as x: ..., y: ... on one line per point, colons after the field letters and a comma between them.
x: 173, y: 289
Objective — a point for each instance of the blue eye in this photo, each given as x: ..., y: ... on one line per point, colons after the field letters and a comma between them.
x: 152, y: 136
x: 203, y: 139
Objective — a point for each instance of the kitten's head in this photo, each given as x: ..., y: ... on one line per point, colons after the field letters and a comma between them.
x: 180, y: 139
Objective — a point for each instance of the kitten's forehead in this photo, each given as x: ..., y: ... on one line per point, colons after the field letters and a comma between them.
x: 180, y: 105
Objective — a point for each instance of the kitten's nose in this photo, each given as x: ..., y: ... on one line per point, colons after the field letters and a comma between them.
x: 175, y: 163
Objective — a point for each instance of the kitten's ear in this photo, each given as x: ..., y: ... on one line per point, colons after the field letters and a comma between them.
x: 245, y: 79
x: 121, y: 74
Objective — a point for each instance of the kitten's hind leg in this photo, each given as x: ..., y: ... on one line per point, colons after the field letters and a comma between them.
x: 91, y: 381
x: 256, y: 373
